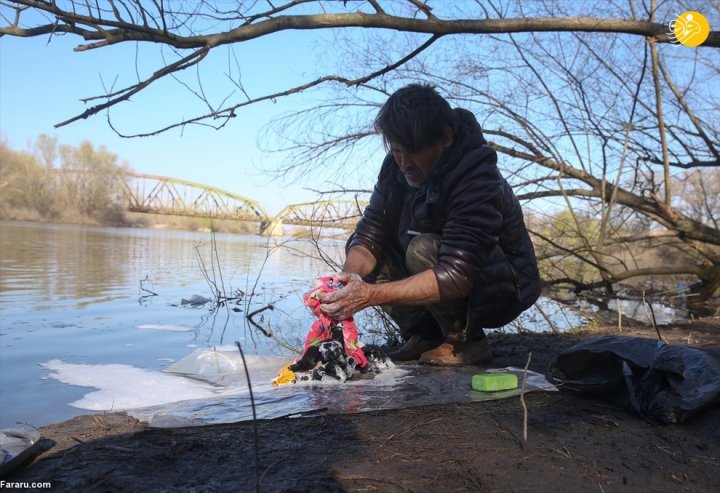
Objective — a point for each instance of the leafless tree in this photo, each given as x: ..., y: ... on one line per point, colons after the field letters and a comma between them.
x: 194, y: 29
x: 593, y: 110
x: 579, y: 119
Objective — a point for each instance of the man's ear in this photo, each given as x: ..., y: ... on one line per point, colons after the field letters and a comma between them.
x: 448, y: 137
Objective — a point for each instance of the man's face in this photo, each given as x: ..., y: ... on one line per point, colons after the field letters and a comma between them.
x: 416, y: 166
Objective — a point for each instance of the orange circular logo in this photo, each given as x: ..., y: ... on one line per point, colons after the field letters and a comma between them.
x: 690, y: 29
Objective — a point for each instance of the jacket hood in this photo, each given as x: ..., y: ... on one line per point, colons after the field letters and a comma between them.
x: 467, y: 134
x: 466, y: 127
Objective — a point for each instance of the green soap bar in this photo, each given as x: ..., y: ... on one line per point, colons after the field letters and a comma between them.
x: 492, y: 382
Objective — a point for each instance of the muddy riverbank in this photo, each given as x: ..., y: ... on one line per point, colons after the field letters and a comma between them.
x: 575, y: 443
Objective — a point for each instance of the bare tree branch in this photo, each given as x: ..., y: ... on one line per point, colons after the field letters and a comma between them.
x: 665, y: 215
x: 103, y: 25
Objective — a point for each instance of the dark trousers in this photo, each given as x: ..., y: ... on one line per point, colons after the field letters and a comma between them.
x: 447, y: 320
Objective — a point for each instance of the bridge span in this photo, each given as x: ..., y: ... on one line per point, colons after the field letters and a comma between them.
x: 153, y: 194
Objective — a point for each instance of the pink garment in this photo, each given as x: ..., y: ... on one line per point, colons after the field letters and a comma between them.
x: 322, y: 329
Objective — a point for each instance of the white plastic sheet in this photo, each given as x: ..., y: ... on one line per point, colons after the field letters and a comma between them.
x: 399, y: 387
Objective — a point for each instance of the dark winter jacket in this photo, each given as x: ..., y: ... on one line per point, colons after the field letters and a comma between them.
x: 485, y: 250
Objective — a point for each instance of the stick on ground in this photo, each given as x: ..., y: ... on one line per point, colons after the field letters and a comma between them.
x: 522, y: 400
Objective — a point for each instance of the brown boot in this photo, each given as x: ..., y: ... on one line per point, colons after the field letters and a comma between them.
x: 458, y: 354
x: 414, y: 348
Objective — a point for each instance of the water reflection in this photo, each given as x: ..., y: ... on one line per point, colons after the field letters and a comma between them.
x: 52, y: 263
x: 72, y: 293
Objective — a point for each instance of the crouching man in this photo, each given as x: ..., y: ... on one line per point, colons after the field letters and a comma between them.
x: 442, y: 245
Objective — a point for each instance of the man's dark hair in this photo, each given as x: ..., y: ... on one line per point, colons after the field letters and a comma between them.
x: 414, y: 117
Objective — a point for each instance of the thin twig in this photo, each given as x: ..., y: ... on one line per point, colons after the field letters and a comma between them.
x: 269, y: 251
x: 651, y: 316
x: 282, y: 343
x: 522, y: 401
x: 270, y: 466
x: 257, y: 326
x: 270, y: 306
x: 214, y: 253
x: 553, y: 327
x: 143, y: 288
x: 219, y: 292
x: 408, y: 430
x: 204, y: 271
x: 229, y: 112
x: 256, y: 435
x: 659, y: 112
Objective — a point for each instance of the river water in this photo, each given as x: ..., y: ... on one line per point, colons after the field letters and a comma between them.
x: 76, y: 313
x: 73, y: 293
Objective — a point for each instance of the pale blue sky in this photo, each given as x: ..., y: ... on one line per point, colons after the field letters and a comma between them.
x: 42, y: 83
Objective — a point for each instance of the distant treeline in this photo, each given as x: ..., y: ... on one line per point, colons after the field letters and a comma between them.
x: 30, y: 189
x: 570, y: 244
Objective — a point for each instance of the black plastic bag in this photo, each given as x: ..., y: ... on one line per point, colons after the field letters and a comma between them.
x: 664, y: 383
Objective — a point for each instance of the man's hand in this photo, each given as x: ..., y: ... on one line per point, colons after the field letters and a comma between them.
x: 420, y: 289
x: 348, y: 300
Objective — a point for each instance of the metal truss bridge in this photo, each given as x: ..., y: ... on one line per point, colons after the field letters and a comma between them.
x: 153, y: 194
